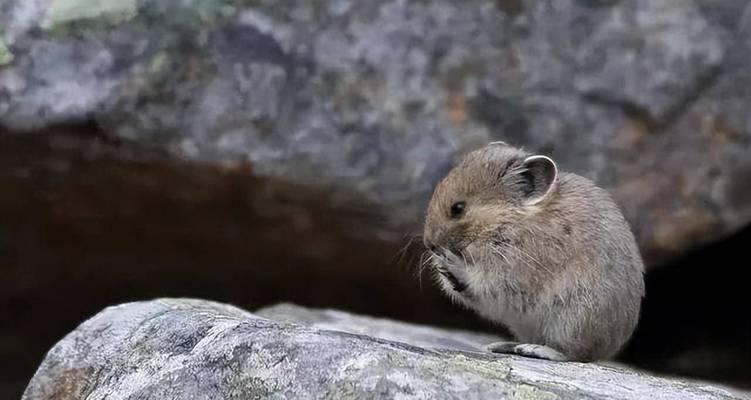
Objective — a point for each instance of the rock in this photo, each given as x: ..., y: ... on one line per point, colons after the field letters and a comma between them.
x: 362, y: 106
x: 378, y: 99
x: 197, y: 349
x: 417, y: 335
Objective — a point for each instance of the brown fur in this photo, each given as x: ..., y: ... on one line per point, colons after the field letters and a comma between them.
x: 547, y: 254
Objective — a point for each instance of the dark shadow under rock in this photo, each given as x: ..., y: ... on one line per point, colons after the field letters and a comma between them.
x: 694, y: 319
x: 86, y: 223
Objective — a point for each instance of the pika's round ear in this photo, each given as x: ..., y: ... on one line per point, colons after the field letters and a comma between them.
x: 540, y: 178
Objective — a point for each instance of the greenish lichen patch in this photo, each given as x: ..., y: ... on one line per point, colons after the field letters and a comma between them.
x: 497, y: 369
x: 110, y: 12
x: 159, y: 63
x: 528, y: 392
x: 6, y: 57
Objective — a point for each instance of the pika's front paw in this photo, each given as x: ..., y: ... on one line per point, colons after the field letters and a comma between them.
x: 456, y: 284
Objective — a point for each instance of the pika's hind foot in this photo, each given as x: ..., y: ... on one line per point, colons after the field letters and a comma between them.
x: 527, y: 350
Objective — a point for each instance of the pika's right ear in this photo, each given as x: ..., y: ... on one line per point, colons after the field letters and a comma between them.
x: 540, y: 177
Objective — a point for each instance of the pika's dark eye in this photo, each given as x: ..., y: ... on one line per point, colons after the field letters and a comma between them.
x: 457, y: 209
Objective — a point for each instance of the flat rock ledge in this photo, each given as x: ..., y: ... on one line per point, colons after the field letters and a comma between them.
x: 195, y: 349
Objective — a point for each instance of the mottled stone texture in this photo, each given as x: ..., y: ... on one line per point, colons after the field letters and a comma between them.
x: 180, y: 349
x: 378, y: 98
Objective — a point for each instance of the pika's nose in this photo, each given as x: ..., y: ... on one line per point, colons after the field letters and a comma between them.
x: 455, y: 251
x: 429, y: 244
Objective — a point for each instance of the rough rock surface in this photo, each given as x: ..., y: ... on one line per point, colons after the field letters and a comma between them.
x: 197, y: 349
x: 377, y: 98
x: 414, y: 334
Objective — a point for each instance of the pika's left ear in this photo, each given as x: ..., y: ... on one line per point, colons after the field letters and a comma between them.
x: 540, y: 178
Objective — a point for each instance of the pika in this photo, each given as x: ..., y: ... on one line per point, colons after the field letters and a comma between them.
x: 547, y: 254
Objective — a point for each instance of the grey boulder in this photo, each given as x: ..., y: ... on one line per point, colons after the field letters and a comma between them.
x: 378, y: 98
x: 180, y: 349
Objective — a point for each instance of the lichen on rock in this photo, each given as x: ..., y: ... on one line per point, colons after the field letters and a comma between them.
x: 6, y: 57
x: 111, y: 12
x: 172, y: 348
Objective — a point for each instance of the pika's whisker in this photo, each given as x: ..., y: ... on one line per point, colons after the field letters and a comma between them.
x: 498, y: 249
x: 474, y: 263
x: 536, y: 261
x: 400, y: 255
x: 425, y: 258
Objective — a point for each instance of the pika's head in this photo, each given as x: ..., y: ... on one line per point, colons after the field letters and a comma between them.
x: 493, y: 189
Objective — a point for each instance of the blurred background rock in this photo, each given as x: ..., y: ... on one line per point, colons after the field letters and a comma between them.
x: 254, y: 152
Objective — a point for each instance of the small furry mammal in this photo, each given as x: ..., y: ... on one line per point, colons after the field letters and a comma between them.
x: 546, y: 253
